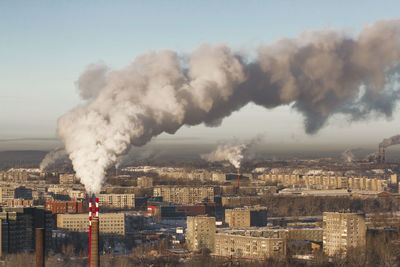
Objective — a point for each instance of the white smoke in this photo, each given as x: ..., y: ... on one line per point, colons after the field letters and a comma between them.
x: 320, y: 74
x: 56, y: 156
x: 348, y: 155
x: 230, y: 152
x: 394, y: 140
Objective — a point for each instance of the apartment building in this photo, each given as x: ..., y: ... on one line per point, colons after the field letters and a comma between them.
x: 59, y: 207
x: 238, y: 246
x: 110, y: 223
x: 67, y: 178
x: 185, y: 194
x: 145, y: 182
x: 6, y: 193
x: 343, y: 231
x: 117, y: 201
x: 200, y: 233
x: 356, y: 183
x: 246, y: 217
x: 14, y: 176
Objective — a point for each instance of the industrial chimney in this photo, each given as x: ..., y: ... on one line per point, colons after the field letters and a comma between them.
x: 94, y: 257
x: 39, y: 246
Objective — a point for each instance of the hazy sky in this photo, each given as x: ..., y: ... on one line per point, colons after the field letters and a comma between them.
x: 45, y: 45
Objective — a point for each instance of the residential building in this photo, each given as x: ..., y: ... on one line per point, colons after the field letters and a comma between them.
x: 145, y: 182
x: 238, y: 246
x: 185, y: 194
x: 67, y: 178
x: 59, y: 207
x: 246, y: 217
x: 6, y: 193
x: 343, y: 231
x: 118, y: 201
x: 200, y: 233
x: 110, y: 223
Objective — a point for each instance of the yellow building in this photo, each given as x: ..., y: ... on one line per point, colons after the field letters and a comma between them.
x: 200, y: 233
x: 118, y: 201
x: 343, y: 231
x: 110, y: 223
x: 238, y: 246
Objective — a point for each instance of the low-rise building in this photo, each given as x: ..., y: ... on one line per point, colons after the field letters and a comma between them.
x: 60, y: 207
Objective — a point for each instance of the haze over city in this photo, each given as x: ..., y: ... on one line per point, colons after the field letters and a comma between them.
x: 199, y: 133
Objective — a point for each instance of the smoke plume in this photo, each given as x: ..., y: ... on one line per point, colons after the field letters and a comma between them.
x: 319, y: 74
x: 394, y: 140
x: 56, y: 156
x: 230, y: 152
x: 348, y: 155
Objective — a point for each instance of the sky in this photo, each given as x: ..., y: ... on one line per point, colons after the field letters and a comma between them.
x: 45, y: 46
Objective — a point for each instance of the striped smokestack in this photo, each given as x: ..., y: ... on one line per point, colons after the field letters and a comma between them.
x: 90, y: 231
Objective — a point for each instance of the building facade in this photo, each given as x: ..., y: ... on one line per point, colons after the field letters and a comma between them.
x: 200, y: 233
x: 246, y: 217
x: 110, y: 223
x: 249, y: 247
x: 185, y: 194
x: 118, y: 201
x: 343, y: 231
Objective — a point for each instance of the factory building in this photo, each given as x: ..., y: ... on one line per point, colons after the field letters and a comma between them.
x: 200, y: 233
x: 246, y: 217
x: 18, y: 228
x: 110, y: 223
x: 117, y: 201
x: 185, y: 194
x: 343, y: 231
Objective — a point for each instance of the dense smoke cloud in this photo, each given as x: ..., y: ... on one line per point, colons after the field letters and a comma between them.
x: 394, y: 140
x: 319, y: 73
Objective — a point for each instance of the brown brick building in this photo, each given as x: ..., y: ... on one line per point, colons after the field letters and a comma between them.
x: 60, y: 207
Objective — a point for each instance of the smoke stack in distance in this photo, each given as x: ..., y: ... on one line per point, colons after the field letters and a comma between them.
x: 40, y: 241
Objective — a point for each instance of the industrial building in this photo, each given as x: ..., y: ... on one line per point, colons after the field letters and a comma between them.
x: 343, y: 231
x: 18, y: 228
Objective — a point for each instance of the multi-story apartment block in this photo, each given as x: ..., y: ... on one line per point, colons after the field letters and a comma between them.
x: 14, y: 176
x: 145, y: 182
x: 356, y: 183
x: 110, y: 223
x: 67, y: 178
x: 118, y: 201
x: 200, y: 233
x: 6, y: 193
x: 231, y: 245
x: 185, y: 195
x: 246, y: 217
x: 343, y: 231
